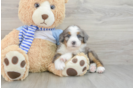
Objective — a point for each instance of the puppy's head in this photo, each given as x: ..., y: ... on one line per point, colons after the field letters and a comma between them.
x: 73, y: 37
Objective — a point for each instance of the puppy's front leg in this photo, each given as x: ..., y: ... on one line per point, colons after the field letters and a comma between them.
x: 60, y: 62
x: 66, y: 57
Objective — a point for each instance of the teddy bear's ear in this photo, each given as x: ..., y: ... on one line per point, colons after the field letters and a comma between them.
x: 66, y: 1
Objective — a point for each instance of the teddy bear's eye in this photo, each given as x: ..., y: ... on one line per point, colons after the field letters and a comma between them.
x: 52, y: 6
x: 36, y: 5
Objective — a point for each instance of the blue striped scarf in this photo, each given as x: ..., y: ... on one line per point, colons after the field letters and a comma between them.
x: 26, y: 36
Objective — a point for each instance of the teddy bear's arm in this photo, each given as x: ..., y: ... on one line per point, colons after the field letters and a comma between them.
x: 10, y: 39
x: 66, y: 1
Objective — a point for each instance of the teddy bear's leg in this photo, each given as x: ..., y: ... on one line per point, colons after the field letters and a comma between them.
x: 76, y: 66
x: 11, y: 39
x: 14, y: 63
x: 52, y: 69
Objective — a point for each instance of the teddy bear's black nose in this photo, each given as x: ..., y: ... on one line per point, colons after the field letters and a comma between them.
x: 44, y: 16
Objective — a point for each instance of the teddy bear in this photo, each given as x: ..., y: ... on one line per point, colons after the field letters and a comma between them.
x: 31, y: 48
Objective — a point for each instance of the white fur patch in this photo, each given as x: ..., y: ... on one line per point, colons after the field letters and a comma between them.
x: 44, y: 8
x: 14, y: 67
x: 60, y: 62
x: 100, y: 69
x: 73, y: 31
x: 63, y: 49
x: 79, y: 46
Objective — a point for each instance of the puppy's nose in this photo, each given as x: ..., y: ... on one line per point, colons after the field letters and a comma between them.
x: 73, y: 42
x: 44, y: 16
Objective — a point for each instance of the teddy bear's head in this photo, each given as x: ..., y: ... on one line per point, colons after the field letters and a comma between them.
x: 42, y: 13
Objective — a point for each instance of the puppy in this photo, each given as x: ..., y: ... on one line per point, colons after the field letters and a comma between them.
x: 73, y: 41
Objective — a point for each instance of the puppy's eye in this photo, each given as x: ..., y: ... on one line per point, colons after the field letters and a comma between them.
x: 79, y: 36
x: 36, y: 5
x: 52, y: 6
x: 68, y: 35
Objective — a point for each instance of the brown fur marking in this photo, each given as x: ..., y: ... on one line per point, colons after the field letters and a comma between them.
x: 82, y: 40
x: 65, y: 43
x: 78, y: 33
x: 69, y: 33
x: 92, y: 57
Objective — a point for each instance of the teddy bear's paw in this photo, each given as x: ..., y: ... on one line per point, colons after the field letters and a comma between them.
x: 14, y: 65
x: 100, y: 69
x: 76, y: 66
x: 92, y: 67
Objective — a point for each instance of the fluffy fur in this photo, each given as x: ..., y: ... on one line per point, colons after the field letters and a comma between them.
x: 73, y: 41
x: 10, y: 39
x: 41, y: 53
x: 26, y: 10
x: 13, y: 48
x: 76, y: 66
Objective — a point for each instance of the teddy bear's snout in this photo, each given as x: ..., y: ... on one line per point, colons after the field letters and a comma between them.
x: 44, y: 16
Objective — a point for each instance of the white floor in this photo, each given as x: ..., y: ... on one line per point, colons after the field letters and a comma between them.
x: 116, y: 76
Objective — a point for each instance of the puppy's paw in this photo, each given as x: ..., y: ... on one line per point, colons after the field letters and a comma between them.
x: 59, y: 65
x: 65, y: 57
x: 100, y: 69
x: 92, y: 67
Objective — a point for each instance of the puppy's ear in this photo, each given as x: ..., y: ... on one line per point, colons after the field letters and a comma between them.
x: 61, y: 39
x: 85, y: 37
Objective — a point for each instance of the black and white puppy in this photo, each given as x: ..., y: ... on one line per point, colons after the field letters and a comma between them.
x: 73, y: 41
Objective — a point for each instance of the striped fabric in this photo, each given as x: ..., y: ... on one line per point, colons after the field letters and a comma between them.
x: 26, y: 36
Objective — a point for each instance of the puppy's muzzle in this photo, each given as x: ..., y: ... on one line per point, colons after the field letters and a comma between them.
x: 73, y: 42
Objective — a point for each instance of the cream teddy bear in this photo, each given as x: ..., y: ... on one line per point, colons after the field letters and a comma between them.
x: 31, y: 48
